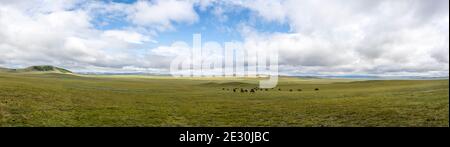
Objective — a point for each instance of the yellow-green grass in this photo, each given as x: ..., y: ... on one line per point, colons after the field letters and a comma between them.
x: 72, y: 100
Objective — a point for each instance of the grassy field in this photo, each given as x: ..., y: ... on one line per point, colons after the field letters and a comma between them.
x: 70, y: 100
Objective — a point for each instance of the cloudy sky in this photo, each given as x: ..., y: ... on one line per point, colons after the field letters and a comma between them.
x: 314, y: 37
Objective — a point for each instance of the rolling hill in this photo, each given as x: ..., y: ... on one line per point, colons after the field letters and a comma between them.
x: 55, y: 100
x: 42, y: 68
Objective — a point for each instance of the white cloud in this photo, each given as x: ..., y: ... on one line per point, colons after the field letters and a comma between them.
x: 62, y: 37
x: 127, y: 36
x: 41, y: 6
x: 357, y: 36
x: 160, y: 14
x: 326, y: 36
x: 63, y: 33
x: 175, y: 49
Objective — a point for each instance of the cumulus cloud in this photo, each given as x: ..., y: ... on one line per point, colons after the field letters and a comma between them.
x: 55, y: 37
x: 161, y: 14
x: 127, y: 36
x: 363, y: 36
x: 63, y: 33
x: 383, y: 37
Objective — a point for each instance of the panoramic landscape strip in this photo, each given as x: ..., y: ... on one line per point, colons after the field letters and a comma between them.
x: 194, y: 65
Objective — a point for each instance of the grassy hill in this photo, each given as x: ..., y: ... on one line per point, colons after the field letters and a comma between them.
x: 38, y: 69
x: 53, y: 99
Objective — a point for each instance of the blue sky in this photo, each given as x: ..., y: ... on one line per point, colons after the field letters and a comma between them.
x: 209, y: 25
x: 327, y: 37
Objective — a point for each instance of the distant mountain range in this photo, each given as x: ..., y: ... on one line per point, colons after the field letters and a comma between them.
x: 42, y: 68
x: 53, y: 69
x: 374, y: 77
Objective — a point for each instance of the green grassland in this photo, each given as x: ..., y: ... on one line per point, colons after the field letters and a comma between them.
x: 53, y: 99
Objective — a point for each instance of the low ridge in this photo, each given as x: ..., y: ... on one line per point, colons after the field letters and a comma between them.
x: 41, y: 68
